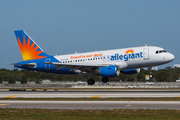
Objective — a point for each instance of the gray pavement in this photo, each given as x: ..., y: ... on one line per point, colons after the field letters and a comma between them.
x: 87, y: 94
x: 92, y: 104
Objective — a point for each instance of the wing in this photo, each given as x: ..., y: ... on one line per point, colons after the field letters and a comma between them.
x: 75, y: 67
x: 85, y: 67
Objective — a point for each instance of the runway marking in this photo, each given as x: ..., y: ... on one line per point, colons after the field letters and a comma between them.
x: 97, y: 96
x: 11, y: 96
x: 4, y: 104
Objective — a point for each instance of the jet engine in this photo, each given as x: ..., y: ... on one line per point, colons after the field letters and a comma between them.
x: 131, y: 71
x: 109, y: 71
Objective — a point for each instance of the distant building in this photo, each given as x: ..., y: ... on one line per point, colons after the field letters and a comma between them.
x: 176, y: 65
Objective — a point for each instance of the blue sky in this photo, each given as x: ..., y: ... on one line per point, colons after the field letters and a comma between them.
x: 64, y: 26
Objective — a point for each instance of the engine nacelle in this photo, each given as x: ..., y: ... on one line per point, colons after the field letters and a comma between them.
x: 109, y: 71
x: 131, y: 71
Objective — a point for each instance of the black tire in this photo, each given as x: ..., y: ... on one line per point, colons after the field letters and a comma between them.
x: 105, y: 79
x: 151, y: 75
x: 90, y: 81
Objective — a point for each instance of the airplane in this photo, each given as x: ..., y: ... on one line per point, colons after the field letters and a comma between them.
x: 107, y: 63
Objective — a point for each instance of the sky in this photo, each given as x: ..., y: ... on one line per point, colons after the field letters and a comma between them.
x: 65, y: 26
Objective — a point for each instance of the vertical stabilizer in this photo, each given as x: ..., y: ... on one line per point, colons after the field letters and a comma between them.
x: 29, y: 49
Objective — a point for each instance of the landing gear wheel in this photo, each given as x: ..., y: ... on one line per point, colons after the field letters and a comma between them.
x: 105, y: 79
x: 91, y: 81
x: 151, y: 75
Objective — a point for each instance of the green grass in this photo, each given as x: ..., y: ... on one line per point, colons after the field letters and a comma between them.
x: 79, y: 114
x: 98, y: 99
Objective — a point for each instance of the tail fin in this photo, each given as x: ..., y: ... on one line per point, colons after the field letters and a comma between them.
x: 29, y: 49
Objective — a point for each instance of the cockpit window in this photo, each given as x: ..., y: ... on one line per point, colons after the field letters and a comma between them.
x: 164, y: 50
x: 160, y: 51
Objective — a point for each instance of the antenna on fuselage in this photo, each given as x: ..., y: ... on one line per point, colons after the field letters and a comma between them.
x: 75, y: 52
x: 145, y: 45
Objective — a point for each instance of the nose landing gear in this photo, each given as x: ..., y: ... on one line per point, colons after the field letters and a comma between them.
x: 151, y: 75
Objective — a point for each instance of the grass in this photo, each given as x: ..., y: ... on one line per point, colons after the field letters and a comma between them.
x: 79, y: 114
x: 98, y: 99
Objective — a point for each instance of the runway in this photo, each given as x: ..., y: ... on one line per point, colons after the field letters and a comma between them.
x: 89, y: 104
x: 88, y: 94
x: 92, y: 104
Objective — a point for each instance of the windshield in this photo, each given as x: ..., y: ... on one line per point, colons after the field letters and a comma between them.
x: 160, y: 51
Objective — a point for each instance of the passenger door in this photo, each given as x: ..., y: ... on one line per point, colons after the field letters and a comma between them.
x: 146, y: 53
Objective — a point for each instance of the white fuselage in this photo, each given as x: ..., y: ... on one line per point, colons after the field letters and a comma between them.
x: 127, y: 58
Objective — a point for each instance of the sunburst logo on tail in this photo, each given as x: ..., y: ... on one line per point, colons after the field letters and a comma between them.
x: 29, y: 50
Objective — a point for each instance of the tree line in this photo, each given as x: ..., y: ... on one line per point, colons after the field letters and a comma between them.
x: 162, y: 75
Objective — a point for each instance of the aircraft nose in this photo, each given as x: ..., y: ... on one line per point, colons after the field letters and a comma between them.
x: 171, y: 57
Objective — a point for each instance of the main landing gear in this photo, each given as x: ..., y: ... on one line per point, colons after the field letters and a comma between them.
x: 90, y: 81
x: 105, y: 79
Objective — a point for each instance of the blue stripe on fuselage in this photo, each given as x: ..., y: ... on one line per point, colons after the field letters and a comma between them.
x: 41, y: 66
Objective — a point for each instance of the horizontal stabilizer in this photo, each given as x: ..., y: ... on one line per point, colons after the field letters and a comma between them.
x: 32, y: 65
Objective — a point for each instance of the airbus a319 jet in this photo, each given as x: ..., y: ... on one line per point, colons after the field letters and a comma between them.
x: 108, y: 63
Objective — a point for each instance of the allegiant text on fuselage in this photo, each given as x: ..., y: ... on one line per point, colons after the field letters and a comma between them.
x: 126, y: 57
